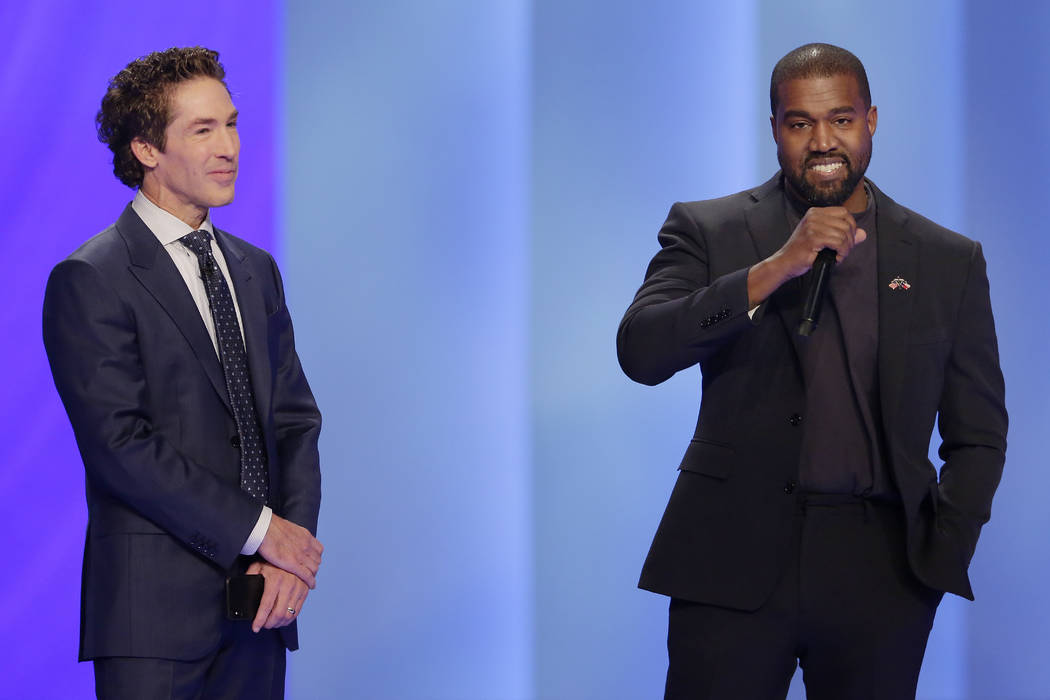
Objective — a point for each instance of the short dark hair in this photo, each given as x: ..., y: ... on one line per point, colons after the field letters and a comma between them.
x: 817, y: 61
x: 137, y: 103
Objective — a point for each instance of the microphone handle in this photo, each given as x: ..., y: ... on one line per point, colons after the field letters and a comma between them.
x: 815, y: 296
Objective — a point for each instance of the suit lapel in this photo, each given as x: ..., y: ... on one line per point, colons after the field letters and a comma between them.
x: 898, y: 252
x: 769, y: 228
x: 157, y: 273
x: 253, y: 317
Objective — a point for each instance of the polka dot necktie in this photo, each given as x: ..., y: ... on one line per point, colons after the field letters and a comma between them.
x: 234, y: 366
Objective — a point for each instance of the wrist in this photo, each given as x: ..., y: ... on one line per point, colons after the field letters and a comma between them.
x: 763, y: 278
x: 258, y: 533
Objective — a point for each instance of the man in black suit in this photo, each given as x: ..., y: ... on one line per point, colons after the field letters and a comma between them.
x: 807, y: 524
x: 172, y: 349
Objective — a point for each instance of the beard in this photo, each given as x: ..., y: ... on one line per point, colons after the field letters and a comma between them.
x: 832, y: 194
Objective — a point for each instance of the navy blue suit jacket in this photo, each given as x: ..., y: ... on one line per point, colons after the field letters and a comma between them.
x: 724, y: 534
x: 147, y: 400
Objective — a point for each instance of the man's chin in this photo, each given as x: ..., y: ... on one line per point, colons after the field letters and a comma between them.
x: 826, y: 194
x: 222, y: 199
x: 820, y: 198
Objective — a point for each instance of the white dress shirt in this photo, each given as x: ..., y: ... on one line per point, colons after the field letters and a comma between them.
x: 168, y: 229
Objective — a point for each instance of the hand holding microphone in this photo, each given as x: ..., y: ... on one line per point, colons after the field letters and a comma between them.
x: 825, y: 235
x: 820, y: 228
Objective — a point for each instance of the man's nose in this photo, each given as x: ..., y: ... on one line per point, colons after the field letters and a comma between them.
x: 821, y: 138
x: 228, y: 143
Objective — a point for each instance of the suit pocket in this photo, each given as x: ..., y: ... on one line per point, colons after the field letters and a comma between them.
x: 714, y: 459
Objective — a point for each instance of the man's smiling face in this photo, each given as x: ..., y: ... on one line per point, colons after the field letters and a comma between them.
x: 823, y: 131
x: 197, y: 169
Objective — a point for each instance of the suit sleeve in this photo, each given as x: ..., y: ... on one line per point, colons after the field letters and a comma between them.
x: 91, y: 340
x: 682, y: 313
x: 297, y: 423
x: 972, y: 416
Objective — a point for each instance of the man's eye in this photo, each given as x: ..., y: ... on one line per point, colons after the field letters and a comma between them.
x: 232, y: 125
x: 798, y: 125
x: 202, y: 130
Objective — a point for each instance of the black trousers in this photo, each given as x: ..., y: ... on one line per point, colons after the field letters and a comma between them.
x: 847, y: 610
x: 246, y: 665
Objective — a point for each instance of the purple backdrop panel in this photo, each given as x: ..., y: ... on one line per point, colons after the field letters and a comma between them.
x: 56, y: 190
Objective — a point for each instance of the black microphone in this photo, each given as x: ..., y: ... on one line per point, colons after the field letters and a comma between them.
x: 815, y: 296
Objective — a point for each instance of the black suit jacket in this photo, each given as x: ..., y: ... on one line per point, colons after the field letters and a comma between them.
x: 726, y: 529
x: 146, y: 396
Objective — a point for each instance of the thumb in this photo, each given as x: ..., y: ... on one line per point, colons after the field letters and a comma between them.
x: 860, y: 236
x: 254, y: 568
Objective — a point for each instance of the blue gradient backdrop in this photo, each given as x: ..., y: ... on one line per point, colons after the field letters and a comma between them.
x: 463, y: 197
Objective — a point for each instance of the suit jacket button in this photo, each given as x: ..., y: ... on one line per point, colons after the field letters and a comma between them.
x: 236, y: 441
x: 795, y: 419
x: 789, y: 487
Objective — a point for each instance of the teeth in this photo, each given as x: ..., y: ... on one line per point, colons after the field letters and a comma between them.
x: 825, y: 169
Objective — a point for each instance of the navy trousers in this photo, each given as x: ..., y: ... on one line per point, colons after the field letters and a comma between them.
x: 246, y: 665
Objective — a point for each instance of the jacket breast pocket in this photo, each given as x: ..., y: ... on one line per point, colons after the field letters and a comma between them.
x: 710, y: 458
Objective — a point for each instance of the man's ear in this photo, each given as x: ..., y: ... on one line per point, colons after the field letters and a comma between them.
x: 872, y: 119
x: 773, y: 125
x: 145, y: 152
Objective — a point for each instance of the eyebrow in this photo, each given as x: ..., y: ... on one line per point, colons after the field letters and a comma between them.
x: 802, y: 114
x: 207, y: 120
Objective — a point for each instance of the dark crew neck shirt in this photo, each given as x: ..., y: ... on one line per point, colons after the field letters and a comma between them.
x: 842, y: 425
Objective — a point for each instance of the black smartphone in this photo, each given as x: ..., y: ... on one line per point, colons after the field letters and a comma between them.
x: 243, y: 593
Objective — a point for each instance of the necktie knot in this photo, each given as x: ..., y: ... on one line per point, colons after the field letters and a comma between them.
x: 198, y: 241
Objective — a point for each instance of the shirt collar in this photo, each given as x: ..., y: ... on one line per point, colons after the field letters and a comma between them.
x: 167, y: 227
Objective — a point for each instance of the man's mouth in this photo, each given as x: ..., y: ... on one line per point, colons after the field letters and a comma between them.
x: 824, y: 167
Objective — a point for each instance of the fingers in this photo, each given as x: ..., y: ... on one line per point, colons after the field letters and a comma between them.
x: 282, y: 599
x: 830, y: 227
x: 269, y: 598
x: 821, y: 227
x: 304, y: 557
x: 289, y: 604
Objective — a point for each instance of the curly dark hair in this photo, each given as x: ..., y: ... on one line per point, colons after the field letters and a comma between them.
x: 138, y: 103
x: 817, y: 61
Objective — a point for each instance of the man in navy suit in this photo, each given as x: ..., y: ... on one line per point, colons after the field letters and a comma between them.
x: 172, y: 349
x: 807, y: 525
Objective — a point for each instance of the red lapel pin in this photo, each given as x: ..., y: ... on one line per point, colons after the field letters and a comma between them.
x: 899, y: 283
